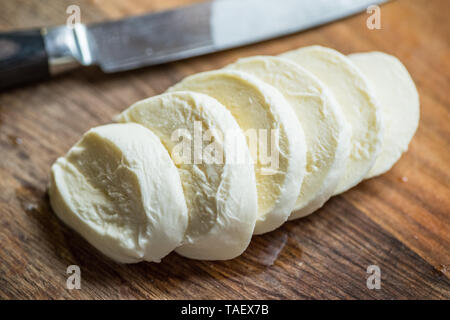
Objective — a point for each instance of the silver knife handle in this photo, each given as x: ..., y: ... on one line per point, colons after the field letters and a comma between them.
x: 65, y: 46
x: 32, y: 55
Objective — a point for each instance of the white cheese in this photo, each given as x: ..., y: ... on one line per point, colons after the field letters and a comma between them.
x: 120, y: 190
x: 220, y: 194
x: 326, y: 131
x: 355, y: 98
x: 256, y: 105
x: 399, y: 101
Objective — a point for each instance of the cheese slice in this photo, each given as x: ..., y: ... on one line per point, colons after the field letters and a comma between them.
x: 120, y: 190
x: 261, y: 110
x: 399, y: 101
x: 326, y: 131
x: 357, y: 102
x: 220, y: 191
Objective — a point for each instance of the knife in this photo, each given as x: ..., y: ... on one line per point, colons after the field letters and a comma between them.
x: 160, y: 37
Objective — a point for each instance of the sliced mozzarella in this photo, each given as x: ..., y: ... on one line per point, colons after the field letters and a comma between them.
x: 120, y: 190
x: 256, y: 105
x: 326, y: 131
x: 355, y: 98
x: 220, y: 192
x: 399, y: 101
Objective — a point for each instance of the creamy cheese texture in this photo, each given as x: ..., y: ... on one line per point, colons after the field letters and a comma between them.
x: 357, y: 102
x: 327, y: 133
x: 119, y: 189
x: 226, y: 154
x: 399, y: 102
x: 256, y: 105
x: 220, y: 192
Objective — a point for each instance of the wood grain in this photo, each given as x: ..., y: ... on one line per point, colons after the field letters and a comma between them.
x: 399, y: 221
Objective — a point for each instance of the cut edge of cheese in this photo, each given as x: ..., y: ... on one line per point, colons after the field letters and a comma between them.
x: 256, y: 105
x: 221, y: 194
x: 399, y: 102
x: 356, y: 99
x: 326, y: 131
x: 105, y: 190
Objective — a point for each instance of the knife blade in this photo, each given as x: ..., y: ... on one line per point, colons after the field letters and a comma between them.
x: 163, y: 36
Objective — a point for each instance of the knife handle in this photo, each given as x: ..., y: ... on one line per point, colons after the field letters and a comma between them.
x: 23, y: 58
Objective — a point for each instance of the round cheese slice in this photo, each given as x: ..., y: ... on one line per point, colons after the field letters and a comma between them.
x: 120, y: 190
x: 399, y: 101
x: 326, y: 131
x: 357, y: 102
x: 220, y: 190
x: 268, y: 121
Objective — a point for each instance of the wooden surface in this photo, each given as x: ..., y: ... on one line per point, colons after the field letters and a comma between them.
x: 399, y: 221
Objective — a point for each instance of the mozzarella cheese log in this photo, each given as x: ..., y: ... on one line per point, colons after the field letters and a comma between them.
x: 256, y: 105
x: 326, y: 131
x: 120, y: 190
x: 220, y: 194
x: 399, y: 102
x: 357, y: 102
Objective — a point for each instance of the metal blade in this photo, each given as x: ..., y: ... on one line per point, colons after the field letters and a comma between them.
x: 202, y: 28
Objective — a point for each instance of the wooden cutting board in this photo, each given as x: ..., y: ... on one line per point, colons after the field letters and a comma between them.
x: 399, y: 221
